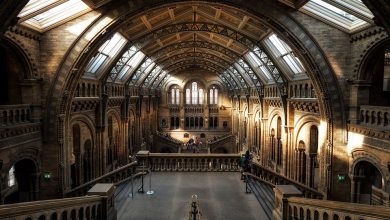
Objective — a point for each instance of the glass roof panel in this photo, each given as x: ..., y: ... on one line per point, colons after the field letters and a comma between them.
x: 107, y: 51
x: 278, y: 44
x: 51, y: 16
x: 346, y: 15
x: 284, y: 54
x: 35, y: 5
x: 335, y: 9
x: 132, y: 63
x: 259, y: 65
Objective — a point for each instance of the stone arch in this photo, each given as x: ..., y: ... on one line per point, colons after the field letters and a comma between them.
x: 273, y: 115
x: 362, y: 173
x: 29, y: 61
x: 361, y: 155
x: 319, y: 70
x: 362, y: 63
x: 25, y: 176
x: 306, y: 121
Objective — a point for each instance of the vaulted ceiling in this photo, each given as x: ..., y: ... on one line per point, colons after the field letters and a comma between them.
x: 236, y: 46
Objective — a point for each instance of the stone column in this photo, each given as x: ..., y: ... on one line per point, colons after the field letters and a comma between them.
x: 282, y: 193
x: 107, y: 192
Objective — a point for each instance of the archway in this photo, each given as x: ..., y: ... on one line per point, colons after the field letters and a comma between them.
x: 23, y: 177
x: 366, y: 178
x: 12, y: 72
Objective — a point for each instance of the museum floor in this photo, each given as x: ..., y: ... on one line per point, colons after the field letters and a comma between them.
x: 221, y: 196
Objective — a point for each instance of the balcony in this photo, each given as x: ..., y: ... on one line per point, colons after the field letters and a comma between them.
x: 15, y: 121
x: 375, y: 117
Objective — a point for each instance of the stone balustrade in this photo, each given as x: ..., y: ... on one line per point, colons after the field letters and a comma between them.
x: 376, y: 116
x: 98, y: 205
x: 14, y: 114
x: 117, y: 177
x: 302, y: 208
x: 87, y: 207
x: 379, y: 197
x: 275, y: 178
x: 191, y: 162
x: 193, y: 109
x: 289, y: 204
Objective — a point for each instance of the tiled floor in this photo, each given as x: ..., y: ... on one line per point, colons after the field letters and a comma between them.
x: 221, y: 196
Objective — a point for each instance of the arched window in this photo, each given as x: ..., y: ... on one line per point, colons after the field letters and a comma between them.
x: 194, y: 95
x: 175, y: 96
x: 188, y: 96
x: 213, y: 96
x: 194, y: 90
x: 201, y: 96
x: 11, y: 176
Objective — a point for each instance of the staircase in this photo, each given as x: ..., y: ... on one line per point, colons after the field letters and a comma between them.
x: 264, y: 193
x: 226, y: 141
x: 165, y: 144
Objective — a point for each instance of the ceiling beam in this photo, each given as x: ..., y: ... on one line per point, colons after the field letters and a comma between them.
x: 171, y: 12
x: 229, y: 43
x: 144, y: 20
x: 218, y: 12
x: 243, y: 22
x: 159, y: 42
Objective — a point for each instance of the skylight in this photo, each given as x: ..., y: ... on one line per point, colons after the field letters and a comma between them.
x: 44, y: 14
x: 284, y: 53
x: 258, y: 65
x: 131, y: 64
x: 107, y: 51
x: 350, y: 16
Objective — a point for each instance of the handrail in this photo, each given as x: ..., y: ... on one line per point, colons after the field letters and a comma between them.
x: 353, y: 210
x: 132, y: 176
x: 277, y: 179
x: 36, y: 207
x: 86, y: 186
x: 174, y: 140
x: 258, y: 179
x: 220, y: 138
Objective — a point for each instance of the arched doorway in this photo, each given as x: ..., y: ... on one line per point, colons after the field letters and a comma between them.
x: 366, y: 176
x: 23, y: 179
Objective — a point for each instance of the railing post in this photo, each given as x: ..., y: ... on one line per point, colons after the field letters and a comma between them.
x: 282, y: 192
x: 107, y: 191
x: 143, y: 158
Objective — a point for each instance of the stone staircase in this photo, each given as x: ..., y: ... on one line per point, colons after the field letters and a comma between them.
x: 165, y: 144
x: 226, y: 141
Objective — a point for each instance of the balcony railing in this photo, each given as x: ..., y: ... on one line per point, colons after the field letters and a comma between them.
x: 192, y: 162
x: 14, y: 114
x: 301, y: 208
x: 88, y: 207
x: 98, y: 205
x: 375, y: 116
x: 117, y: 177
x: 271, y: 176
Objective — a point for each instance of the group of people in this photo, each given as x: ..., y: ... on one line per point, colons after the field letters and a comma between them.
x: 194, y: 144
